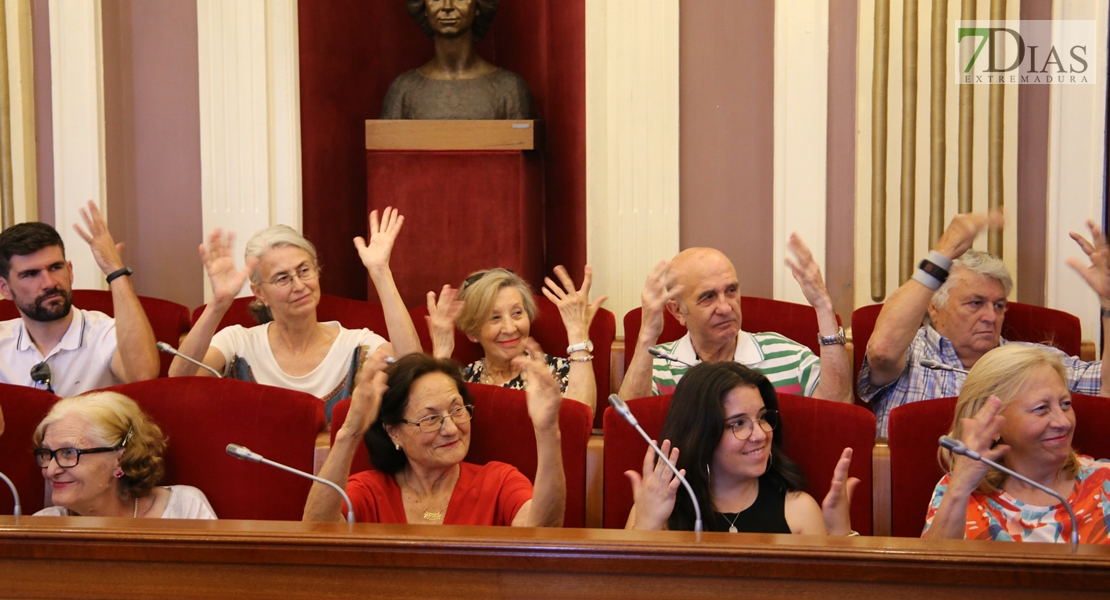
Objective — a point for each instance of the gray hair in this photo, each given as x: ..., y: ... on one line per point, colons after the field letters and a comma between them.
x: 275, y: 236
x: 979, y: 263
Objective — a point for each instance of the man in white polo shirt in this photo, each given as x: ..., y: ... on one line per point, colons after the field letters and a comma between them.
x: 66, y: 351
x: 700, y: 288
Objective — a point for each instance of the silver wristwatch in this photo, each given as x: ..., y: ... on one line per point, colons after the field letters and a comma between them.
x: 587, y: 345
x: 832, y: 340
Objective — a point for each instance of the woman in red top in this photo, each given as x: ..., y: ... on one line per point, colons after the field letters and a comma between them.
x: 415, y: 417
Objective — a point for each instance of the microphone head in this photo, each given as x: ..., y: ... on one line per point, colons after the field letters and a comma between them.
x: 164, y: 347
x: 929, y: 363
x: 622, y: 409
x: 242, y: 452
x: 949, y: 443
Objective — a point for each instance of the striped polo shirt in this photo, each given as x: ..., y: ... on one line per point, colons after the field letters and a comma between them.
x: 791, y: 367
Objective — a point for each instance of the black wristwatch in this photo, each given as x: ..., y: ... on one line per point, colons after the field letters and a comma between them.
x: 117, y: 274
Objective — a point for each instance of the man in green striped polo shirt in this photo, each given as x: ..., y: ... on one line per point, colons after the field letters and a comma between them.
x: 700, y: 288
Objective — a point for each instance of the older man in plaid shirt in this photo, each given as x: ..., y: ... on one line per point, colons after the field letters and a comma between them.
x: 963, y: 292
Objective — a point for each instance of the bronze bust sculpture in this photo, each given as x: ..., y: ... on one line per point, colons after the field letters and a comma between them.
x: 457, y: 83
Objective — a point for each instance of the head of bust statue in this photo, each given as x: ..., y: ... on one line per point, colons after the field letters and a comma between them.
x: 478, y: 12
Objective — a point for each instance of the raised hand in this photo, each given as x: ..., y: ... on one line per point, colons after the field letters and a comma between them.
x: 543, y: 395
x: 962, y: 231
x: 979, y: 434
x: 574, y: 305
x: 375, y: 255
x: 442, y: 314
x: 806, y: 272
x: 1096, y: 274
x: 654, y: 300
x: 837, y: 503
x: 366, y: 399
x: 654, y: 491
x: 226, y: 280
x: 104, y: 249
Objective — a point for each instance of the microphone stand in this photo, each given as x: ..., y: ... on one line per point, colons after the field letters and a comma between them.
x: 168, y: 349
x: 15, y: 494
x: 622, y: 409
x: 958, y: 447
x: 243, y: 453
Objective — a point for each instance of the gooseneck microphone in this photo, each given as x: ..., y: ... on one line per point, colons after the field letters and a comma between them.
x: 622, y: 409
x: 168, y: 349
x: 958, y: 447
x: 245, y: 454
x: 929, y: 363
x: 666, y: 356
x: 15, y: 494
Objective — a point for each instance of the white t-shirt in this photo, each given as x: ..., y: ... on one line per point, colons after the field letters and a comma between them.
x: 253, y: 346
x: 186, y: 502
x: 81, y: 361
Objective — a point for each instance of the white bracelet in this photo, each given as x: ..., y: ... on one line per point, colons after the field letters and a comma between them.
x: 586, y: 358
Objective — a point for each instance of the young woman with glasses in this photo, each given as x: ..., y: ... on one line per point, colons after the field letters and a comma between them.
x: 291, y: 349
x: 724, y: 418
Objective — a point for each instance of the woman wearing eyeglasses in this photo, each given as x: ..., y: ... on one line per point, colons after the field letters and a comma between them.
x: 291, y: 349
x: 495, y: 309
x: 416, y: 421
x: 103, y: 458
x: 724, y: 418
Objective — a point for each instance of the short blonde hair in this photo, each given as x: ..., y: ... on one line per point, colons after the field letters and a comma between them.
x: 1002, y: 372
x: 479, y: 291
x: 111, y: 416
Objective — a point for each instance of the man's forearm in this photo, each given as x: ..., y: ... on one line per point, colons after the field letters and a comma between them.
x: 637, y: 379
x: 134, y: 336
x: 836, y: 371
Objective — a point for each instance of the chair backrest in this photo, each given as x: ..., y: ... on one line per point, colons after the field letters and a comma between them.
x: 914, y: 470
x: 202, y: 415
x: 549, y: 332
x: 352, y: 314
x: 169, y: 320
x: 1023, y: 323
x: 24, y: 408
x: 807, y: 422
x: 794, y: 321
x: 502, y: 431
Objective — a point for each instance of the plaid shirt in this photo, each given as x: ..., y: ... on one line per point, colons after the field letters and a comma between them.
x: 919, y: 383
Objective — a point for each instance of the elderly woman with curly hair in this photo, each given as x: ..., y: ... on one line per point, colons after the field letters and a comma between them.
x: 457, y: 83
x: 103, y: 458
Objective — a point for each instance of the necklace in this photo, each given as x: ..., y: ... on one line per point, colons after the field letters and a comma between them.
x: 135, y: 514
x: 487, y: 379
x: 732, y: 523
x: 432, y: 516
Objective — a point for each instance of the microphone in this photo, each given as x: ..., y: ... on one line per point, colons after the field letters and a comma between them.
x: 168, y: 349
x: 40, y: 373
x: 929, y: 363
x: 622, y: 409
x: 665, y: 356
x: 244, y: 453
x: 15, y: 494
x: 958, y: 447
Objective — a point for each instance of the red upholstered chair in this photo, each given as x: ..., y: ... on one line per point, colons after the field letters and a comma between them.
x: 169, y: 320
x: 549, y: 332
x: 502, y: 431
x: 914, y: 470
x: 352, y: 314
x: 24, y: 408
x: 202, y: 415
x: 795, y: 321
x: 818, y: 430
x: 1023, y: 323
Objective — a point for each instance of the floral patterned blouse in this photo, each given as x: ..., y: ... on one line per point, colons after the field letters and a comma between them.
x: 560, y: 370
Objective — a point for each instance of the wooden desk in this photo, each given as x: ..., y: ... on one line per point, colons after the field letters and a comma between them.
x: 90, y: 557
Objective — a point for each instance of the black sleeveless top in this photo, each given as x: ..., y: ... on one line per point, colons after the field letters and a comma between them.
x: 766, y: 515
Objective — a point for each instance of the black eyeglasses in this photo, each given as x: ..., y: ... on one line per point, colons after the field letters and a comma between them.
x: 69, y: 457
x: 40, y: 373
